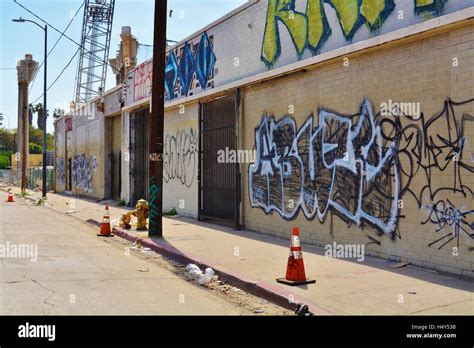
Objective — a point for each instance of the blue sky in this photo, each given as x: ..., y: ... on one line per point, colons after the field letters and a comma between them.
x: 16, y: 39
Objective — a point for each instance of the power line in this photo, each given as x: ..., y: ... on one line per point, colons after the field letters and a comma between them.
x: 146, y: 45
x: 62, y: 34
x: 62, y: 71
x: 57, y: 78
x: 54, y: 46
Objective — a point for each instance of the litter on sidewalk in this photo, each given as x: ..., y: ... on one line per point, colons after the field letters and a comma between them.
x: 193, y: 272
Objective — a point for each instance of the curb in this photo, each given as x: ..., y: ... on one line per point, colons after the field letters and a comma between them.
x: 31, y: 199
x: 264, y: 290
x: 281, y: 297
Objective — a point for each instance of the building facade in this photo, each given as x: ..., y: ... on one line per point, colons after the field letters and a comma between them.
x: 87, y: 148
x: 350, y: 119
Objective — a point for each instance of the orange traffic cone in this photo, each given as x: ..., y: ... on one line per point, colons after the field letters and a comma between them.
x: 105, y: 230
x: 295, y: 274
x: 10, y: 197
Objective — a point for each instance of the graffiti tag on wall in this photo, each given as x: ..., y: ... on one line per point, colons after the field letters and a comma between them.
x: 429, y: 5
x: 450, y: 221
x: 360, y: 166
x: 340, y: 165
x: 60, y: 171
x: 180, y: 157
x: 187, y: 67
x: 83, y: 169
x: 310, y: 29
x: 189, y: 64
x: 142, y: 80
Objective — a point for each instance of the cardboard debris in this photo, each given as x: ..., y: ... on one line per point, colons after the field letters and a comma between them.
x: 398, y: 265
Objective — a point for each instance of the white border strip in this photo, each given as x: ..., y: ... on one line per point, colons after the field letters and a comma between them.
x: 137, y: 105
x: 202, y: 30
x: 215, y: 23
x: 411, y: 30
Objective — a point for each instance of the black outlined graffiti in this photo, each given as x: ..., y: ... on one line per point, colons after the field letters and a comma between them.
x: 430, y: 147
x: 359, y: 167
x: 340, y: 166
x: 180, y: 157
x: 451, y: 222
x: 83, y: 169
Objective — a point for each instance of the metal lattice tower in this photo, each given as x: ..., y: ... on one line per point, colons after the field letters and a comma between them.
x: 94, y: 52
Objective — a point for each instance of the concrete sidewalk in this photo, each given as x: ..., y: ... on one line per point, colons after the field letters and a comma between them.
x: 253, y: 261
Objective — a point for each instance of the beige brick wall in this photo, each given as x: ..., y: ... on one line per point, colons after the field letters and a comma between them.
x: 88, y: 154
x: 180, y: 160
x: 420, y: 71
x: 60, y: 155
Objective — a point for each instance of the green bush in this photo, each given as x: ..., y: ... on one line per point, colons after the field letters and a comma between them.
x: 35, y: 148
x: 171, y: 212
x: 7, y: 153
x: 4, y: 162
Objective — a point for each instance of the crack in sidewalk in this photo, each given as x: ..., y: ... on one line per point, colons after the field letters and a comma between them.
x: 440, y: 306
x: 43, y: 287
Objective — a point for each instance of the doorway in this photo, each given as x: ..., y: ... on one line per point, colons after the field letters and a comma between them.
x: 219, y: 194
x: 140, y: 143
x: 69, y: 174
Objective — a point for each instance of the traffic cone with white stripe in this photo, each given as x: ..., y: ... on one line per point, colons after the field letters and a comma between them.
x: 105, y: 230
x: 295, y: 274
x: 10, y: 196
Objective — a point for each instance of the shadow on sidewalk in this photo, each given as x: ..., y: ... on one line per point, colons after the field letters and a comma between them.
x: 432, y: 276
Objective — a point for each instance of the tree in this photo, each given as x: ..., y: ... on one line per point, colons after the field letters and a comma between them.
x: 36, y: 137
x: 57, y: 113
x: 38, y: 109
x: 4, y: 162
x: 7, y: 140
x: 31, y: 111
x: 35, y: 149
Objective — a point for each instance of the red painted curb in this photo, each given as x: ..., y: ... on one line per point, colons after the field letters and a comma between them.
x: 271, y: 293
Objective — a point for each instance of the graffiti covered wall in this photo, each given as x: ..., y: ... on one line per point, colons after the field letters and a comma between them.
x: 189, y: 67
x: 60, y: 171
x: 180, y: 157
x: 359, y: 167
x: 268, y: 34
x: 310, y: 29
x: 341, y: 165
x: 83, y: 169
x: 348, y: 155
x: 180, y: 160
x: 59, y: 155
x: 80, y: 154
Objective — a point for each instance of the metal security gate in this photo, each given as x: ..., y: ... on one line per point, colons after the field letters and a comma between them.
x: 218, y: 182
x: 140, y: 140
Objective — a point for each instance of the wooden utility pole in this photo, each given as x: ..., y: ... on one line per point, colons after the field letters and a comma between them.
x: 23, y: 128
x: 157, y: 122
